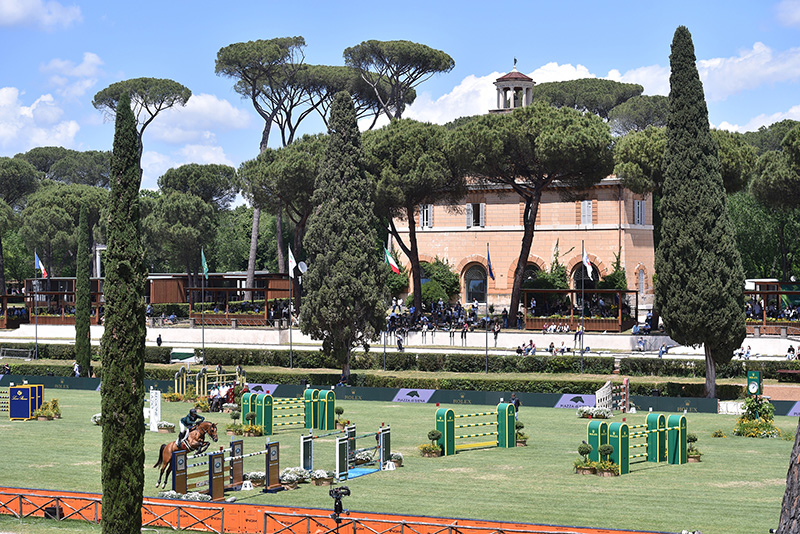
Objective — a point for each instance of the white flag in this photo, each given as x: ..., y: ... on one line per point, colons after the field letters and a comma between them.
x: 587, y: 264
x: 292, y: 263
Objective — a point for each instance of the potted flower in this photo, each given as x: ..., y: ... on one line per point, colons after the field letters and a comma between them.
x: 234, y: 429
x: 606, y: 467
x: 252, y: 431
x: 320, y: 477
x: 230, y: 407
x: 56, y: 408
x: 363, y: 457
x: 520, y: 436
x: 584, y: 466
x: 201, y: 405
x: 693, y: 454
x: 340, y: 423
x: 165, y: 427
x: 432, y: 449
x: 97, y: 419
x: 397, y: 459
x: 44, y: 414
x: 257, y: 478
x: 289, y: 480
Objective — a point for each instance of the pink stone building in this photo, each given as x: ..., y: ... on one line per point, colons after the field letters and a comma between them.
x: 608, y: 219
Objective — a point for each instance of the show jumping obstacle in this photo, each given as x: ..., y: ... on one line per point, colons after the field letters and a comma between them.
x: 503, y: 419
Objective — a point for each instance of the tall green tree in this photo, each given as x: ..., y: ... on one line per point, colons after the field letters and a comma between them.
x: 413, y: 164
x: 532, y: 149
x: 757, y: 229
x: 214, y: 184
x: 700, y: 284
x: 83, y: 296
x: 18, y: 179
x: 122, y: 394
x: 770, y: 137
x: 346, y: 279
x: 398, y: 66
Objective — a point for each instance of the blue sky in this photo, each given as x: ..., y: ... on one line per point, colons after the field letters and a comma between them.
x: 57, y: 54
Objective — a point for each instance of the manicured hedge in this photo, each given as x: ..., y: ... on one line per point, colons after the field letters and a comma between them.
x: 697, y: 368
x: 67, y: 352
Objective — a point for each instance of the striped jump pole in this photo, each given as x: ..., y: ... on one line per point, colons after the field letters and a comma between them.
x: 504, y: 421
x: 345, y: 451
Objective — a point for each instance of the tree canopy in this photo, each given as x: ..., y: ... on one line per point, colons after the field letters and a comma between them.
x: 700, y: 283
x: 148, y: 98
x: 214, y: 184
x: 413, y: 164
x: 594, y: 95
x: 637, y: 113
x: 397, y: 65
x: 532, y: 149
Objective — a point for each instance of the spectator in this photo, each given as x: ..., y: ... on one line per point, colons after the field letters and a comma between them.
x: 663, y: 350
x: 6, y: 369
x: 496, y: 331
x: 790, y: 353
x: 640, y: 344
x: 747, y: 353
x: 504, y: 315
x: 514, y: 401
x: 519, y: 352
x: 158, y: 340
x: 552, y: 348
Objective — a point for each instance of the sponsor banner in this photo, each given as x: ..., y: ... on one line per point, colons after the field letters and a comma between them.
x: 675, y: 404
x: 413, y: 395
x: 574, y: 401
x: 792, y: 408
x: 255, y: 387
x: 68, y: 382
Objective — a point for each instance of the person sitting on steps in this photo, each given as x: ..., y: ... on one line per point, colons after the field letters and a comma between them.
x: 187, y: 424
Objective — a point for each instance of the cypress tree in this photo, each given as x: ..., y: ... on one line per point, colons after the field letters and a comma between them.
x: 123, y: 340
x: 345, y: 282
x: 700, y: 282
x: 83, y: 297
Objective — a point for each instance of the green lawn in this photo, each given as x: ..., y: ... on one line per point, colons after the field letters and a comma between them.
x: 737, y: 489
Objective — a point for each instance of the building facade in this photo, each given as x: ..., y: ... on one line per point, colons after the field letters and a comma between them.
x: 607, y: 220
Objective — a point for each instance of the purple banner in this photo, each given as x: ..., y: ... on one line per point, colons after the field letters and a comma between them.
x: 262, y: 388
x: 795, y: 411
x: 575, y: 401
x: 414, y: 395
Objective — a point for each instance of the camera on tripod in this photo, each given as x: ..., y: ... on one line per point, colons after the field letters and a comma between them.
x: 337, y: 494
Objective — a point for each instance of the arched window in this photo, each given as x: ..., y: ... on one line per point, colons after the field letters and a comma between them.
x: 641, y: 282
x: 580, y: 277
x: 530, y: 273
x: 475, y: 283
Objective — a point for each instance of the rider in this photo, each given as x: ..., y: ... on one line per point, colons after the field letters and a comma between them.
x: 187, y: 424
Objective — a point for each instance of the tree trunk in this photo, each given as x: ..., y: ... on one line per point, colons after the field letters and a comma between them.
x: 413, y: 257
x: 279, y: 240
x: 784, y: 253
x: 251, y: 260
x: 711, y: 374
x: 790, y: 510
x: 529, y: 220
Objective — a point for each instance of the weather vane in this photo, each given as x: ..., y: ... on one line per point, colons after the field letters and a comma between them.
x: 515, y: 62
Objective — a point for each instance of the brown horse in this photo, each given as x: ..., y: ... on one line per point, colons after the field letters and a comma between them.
x: 195, y: 441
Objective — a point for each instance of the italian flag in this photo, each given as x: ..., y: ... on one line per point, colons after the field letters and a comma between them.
x: 390, y: 261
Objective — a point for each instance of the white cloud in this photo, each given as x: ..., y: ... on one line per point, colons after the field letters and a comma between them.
x: 654, y: 78
x: 789, y: 12
x: 155, y: 164
x: 723, y: 77
x: 204, y: 154
x: 195, y: 121
x: 85, y: 75
x: 762, y: 120
x: 45, y: 15
x: 553, y: 72
x: 24, y: 127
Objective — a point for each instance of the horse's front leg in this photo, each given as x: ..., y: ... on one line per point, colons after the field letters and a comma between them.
x: 203, y: 447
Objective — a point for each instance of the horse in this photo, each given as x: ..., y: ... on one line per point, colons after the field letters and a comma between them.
x: 194, y: 441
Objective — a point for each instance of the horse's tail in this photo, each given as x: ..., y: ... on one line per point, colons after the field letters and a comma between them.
x: 160, y: 453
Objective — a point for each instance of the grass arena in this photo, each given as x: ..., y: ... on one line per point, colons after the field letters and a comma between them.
x: 736, y: 489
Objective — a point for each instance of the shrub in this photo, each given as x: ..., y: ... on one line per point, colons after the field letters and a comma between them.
x: 434, y: 436
x: 605, y: 451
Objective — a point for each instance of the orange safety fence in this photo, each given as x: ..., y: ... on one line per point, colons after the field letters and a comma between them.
x: 255, y: 518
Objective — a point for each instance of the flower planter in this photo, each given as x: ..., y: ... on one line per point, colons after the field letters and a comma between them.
x: 585, y: 470
x: 289, y: 485
x: 166, y: 430
x: 249, y: 434
x: 606, y: 473
x: 42, y: 418
x: 435, y: 454
x: 397, y: 463
x: 361, y: 462
x: 522, y: 443
x: 340, y: 426
x: 322, y: 481
x: 693, y: 459
x: 230, y: 432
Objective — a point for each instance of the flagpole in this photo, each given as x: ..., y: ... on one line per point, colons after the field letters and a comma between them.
x: 291, y: 296
x: 583, y: 301
x: 203, y: 317
x: 35, y: 315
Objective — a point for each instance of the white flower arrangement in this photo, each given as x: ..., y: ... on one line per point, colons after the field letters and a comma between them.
x: 97, y: 419
x: 230, y: 406
x: 257, y: 477
x: 595, y: 412
x: 363, y: 456
x: 294, y: 474
x: 166, y: 424
x: 191, y: 496
x: 321, y: 473
x: 396, y: 457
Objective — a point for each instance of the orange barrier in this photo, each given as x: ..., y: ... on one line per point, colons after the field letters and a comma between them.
x: 257, y: 518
